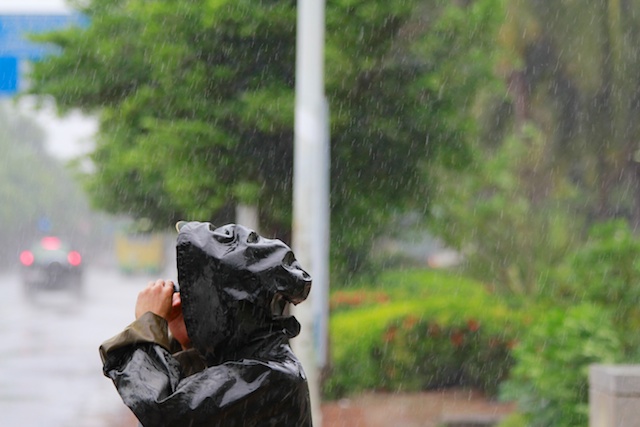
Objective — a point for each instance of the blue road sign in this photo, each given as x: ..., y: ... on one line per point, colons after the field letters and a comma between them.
x: 15, y: 45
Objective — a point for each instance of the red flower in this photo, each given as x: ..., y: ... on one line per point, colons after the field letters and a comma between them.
x: 457, y: 338
x: 390, y: 334
x: 433, y: 330
x: 410, y: 322
x: 381, y: 297
x: 473, y: 325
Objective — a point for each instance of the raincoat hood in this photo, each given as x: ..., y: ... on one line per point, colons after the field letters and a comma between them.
x: 234, y: 286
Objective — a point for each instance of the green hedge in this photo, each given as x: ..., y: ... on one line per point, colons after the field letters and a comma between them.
x: 550, y: 380
x: 418, y: 354
x: 388, y: 343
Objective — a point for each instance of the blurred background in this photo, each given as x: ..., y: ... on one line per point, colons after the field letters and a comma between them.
x: 484, y: 192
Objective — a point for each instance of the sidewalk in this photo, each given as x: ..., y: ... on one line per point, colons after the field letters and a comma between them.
x: 426, y: 409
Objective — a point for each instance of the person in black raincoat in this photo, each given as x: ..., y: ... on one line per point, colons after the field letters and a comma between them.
x: 234, y: 365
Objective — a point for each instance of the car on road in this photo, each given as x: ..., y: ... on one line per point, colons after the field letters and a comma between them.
x: 51, y: 264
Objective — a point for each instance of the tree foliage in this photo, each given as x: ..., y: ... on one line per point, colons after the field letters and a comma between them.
x: 558, y: 155
x: 196, y: 104
x: 605, y: 271
x: 569, y: 75
x: 512, y: 218
x: 576, y: 81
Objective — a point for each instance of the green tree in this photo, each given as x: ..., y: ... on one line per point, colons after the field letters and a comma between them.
x: 34, y: 187
x: 196, y: 104
x: 509, y: 215
x: 570, y: 76
x: 405, y: 110
x: 576, y: 81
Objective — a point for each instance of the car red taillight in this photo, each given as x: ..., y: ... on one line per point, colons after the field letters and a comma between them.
x: 74, y: 258
x: 26, y: 258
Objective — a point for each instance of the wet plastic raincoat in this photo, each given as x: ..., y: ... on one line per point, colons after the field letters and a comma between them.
x: 234, y: 285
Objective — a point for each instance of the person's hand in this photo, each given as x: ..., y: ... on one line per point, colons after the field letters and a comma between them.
x: 157, y: 298
x: 176, y: 322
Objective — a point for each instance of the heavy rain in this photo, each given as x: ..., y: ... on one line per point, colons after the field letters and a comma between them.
x: 459, y: 179
x: 49, y: 364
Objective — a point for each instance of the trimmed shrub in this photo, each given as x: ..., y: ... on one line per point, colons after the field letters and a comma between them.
x: 344, y: 300
x: 391, y: 344
x: 418, y: 354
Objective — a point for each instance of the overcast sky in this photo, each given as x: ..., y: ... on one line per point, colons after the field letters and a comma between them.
x: 66, y: 137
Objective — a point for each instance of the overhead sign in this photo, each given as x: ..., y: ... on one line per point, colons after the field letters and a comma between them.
x: 8, y: 75
x: 16, y: 46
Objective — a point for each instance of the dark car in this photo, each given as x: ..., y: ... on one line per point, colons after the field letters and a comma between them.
x: 51, y: 264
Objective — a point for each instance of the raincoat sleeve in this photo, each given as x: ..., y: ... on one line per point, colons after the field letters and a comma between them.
x: 149, y: 328
x: 246, y: 392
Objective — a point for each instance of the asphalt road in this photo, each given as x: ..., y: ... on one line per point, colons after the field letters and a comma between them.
x: 50, y: 369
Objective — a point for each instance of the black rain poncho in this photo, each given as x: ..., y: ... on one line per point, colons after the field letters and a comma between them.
x: 234, y: 285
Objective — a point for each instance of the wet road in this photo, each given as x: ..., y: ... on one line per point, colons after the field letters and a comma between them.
x: 50, y: 370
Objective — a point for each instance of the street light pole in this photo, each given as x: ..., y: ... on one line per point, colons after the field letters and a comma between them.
x: 311, y: 193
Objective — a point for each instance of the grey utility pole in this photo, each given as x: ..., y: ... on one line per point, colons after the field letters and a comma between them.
x: 311, y: 193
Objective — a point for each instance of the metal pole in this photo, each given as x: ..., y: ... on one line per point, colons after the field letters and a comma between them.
x: 311, y: 193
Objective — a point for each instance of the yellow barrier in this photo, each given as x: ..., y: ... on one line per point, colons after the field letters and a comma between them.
x: 140, y: 253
